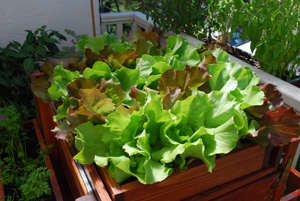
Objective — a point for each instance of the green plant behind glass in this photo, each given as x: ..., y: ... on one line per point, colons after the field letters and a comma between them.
x: 18, y: 61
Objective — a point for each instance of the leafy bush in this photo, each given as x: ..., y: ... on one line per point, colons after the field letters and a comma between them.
x: 18, y: 61
x: 271, y: 26
x: 191, y: 17
x: 276, y: 36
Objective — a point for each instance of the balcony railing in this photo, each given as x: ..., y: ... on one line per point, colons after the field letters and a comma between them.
x: 138, y: 21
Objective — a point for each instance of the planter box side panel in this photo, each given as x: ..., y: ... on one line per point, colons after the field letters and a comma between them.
x: 258, y: 190
x: 181, y: 185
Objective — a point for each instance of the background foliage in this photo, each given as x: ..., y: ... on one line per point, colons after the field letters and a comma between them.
x: 271, y: 26
x: 18, y: 61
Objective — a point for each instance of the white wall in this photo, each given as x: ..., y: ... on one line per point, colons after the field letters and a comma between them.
x: 18, y: 15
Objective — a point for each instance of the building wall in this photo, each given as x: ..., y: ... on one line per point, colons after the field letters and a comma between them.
x: 16, y: 16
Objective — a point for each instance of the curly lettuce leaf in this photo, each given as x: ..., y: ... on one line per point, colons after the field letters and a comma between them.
x: 113, y: 90
x: 98, y: 71
x: 97, y: 102
x: 74, y: 87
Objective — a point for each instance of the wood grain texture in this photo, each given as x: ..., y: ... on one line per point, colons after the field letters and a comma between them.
x: 71, y: 171
x: 115, y: 190
x: 259, y: 190
x: 97, y: 184
x: 230, y: 186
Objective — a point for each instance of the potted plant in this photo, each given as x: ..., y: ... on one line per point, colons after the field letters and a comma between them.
x: 144, y: 108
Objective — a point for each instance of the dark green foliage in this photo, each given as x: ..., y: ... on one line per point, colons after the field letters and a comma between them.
x: 276, y: 36
x: 18, y: 61
x: 189, y: 16
x: 23, y: 173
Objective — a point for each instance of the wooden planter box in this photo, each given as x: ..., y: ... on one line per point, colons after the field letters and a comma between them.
x: 53, y: 179
x: 250, y: 170
x: 247, y: 173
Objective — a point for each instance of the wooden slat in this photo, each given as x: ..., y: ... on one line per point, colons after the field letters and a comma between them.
x: 53, y: 179
x: 97, y: 184
x: 47, y: 125
x: 259, y: 190
x: 181, y: 185
x: 290, y: 151
x: 225, y: 188
x: 293, y: 182
x: 74, y: 179
x: 113, y: 187
x: 293, y: 196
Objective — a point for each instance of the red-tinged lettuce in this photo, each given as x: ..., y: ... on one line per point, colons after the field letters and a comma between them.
x: 40, y: 86
x: 73, y: 119
x: 149, y: 42
x: 278, y: 127
x: 74, y: 87
x: 113, y: 91
x: 178, y: 84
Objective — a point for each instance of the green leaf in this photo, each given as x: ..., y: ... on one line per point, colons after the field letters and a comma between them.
x: 128, y: 78
x: 4, y: 80
x: 100, y: 70
x: 160, y: 68
x: 28, y: 66
x: 145, y: 64
x: 221, y: 79
x: 91, y: 139
x: 61, y: 111
x: 252, y: 96
x: 222, y: 139
x: 222, y: 108
x: 94, y: 43
x: 194, y: 109
x: 58, y: 90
